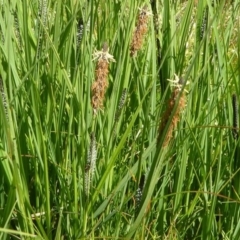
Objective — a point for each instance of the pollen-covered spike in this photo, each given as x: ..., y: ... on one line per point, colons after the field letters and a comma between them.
x: 43, y: 11
x: 4, y: 99
x: 138, y: 198
x: 235, y: 116
x: 204, y: 23
x: 91, y: 163
x: 80, y: 29
x: 120, y: 105
x: 119, y: 110
x: 138, y: 195
x: 17, y: 32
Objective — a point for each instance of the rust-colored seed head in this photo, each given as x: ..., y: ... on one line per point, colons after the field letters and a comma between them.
x: 100, y: 84
x: 140, y: 31
x: 174, y: 99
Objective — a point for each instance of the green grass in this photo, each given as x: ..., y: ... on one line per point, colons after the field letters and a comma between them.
x: 191, y: 187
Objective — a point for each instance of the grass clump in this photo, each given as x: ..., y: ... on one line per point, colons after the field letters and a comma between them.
x: 95, y: 150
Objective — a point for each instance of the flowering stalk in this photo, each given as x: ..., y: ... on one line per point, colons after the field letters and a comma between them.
x: 17, y: 31
x: 121, y: 104
x: 42, y: 13
x: 138, y: 195
x: 235, y: 116
x: 119, y: 110
x: 4, y: 99
x: 100, y: 84
x: 81, y: 27
x: 175, y: 99
x: 91, y: 163
x: 140, y: 31
x: 204, y: 23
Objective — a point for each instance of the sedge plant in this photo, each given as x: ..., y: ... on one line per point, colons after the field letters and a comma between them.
x: 96, y: 142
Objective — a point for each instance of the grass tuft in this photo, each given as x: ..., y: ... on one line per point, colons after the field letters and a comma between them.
x: 78, y: 133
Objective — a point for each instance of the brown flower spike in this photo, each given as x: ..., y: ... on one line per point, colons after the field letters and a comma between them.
x: 100, y: 84
x: 140, y: 31
x: 174, y: 99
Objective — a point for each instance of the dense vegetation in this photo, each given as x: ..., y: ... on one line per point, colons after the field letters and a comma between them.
x: 97, y: 142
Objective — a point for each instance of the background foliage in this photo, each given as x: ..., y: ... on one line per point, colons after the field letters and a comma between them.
x: 139, y: 189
